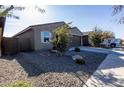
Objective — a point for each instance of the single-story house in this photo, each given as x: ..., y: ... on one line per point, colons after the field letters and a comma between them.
x: 41, y: 35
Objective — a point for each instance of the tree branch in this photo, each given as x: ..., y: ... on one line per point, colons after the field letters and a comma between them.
x: 6, y: 10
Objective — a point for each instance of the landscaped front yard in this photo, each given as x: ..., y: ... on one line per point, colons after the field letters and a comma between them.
x: 44, y: 68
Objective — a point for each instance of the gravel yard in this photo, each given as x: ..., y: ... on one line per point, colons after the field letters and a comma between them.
x: 11, y: 70
x: 44, y: 69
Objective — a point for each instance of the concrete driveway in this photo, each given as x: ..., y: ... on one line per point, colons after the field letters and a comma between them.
x: 99, y: 50
x: 110, y: 72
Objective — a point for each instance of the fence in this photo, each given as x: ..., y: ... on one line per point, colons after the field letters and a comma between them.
x: 15, y: 45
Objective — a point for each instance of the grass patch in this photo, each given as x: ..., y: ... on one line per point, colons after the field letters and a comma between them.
x: 20, y: 83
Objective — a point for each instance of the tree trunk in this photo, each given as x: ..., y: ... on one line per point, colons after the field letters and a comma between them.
x: 2, y: 23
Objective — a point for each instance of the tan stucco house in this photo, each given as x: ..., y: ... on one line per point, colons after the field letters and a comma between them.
x: 40, y: 35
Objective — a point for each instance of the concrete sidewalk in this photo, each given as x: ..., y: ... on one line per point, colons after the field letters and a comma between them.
x: 110, y: 72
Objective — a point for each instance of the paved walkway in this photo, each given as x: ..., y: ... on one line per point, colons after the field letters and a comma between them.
x: 111, y: 71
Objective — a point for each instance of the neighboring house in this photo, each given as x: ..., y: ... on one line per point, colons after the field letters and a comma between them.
x: 40, y: 36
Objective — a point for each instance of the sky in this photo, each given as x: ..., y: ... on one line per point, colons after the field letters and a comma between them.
x: 82, y: 16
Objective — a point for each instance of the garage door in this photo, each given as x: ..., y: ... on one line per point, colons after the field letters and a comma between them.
x: 85, y: 40
x: 75, y: 41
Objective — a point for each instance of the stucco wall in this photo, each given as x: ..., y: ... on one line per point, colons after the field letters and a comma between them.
x: 37, y: 35
x: 75, y: 40
x: 38, y: 43
x: 28, y: 34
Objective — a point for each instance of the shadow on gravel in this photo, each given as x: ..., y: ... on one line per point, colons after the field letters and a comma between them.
x: 31, y: 68
x: 36, y: 63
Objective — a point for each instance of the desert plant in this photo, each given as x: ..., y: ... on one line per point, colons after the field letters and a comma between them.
x: 95, y: 37
x: 19, y: 84
x: 77, y: 49
x: 107, y: 34
x: 80, y: 61
x: 61, y: 38
x: 98, y: 35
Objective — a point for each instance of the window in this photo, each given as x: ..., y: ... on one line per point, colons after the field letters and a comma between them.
x: 45, y: 36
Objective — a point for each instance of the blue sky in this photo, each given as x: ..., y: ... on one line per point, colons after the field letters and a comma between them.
x: 84, y: 17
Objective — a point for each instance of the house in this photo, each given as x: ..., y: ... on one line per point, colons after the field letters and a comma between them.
x: 41, y: 35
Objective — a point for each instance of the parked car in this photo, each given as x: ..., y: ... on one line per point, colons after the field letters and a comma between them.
x: 111, y: 42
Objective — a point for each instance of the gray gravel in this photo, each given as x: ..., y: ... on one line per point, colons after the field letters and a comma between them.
x: 51, y: 79
x: 43, y: 68
x: 11, y: 70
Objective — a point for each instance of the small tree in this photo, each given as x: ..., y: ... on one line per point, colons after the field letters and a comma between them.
x: 61, y: 38
x: 7, y: 11
x: 107, y: 34
x: 97, y: 36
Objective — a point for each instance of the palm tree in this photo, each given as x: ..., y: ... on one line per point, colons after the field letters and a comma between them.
x: 7, y: 11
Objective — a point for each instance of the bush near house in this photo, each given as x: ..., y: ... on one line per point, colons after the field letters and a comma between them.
x: 80, y: 61
x: 61, y: 38
x: 77, y: 49
x: 98, y: 35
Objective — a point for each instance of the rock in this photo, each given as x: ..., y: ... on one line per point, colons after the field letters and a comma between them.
x: 54, y: 51
x: 78, y: 59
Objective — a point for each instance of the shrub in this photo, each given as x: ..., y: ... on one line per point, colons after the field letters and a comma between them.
x: 61, y: 38
x: 97, y: 36
x: 19, y: 84
x: 54, y: 48
x: 80, y: 61
x: 77, y: 49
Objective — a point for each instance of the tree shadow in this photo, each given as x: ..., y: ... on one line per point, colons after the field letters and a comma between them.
x: 109, y: 79
x: 37, y: 63
x: 113, y: 61
x: 30, y: 67
x: 40, y: 62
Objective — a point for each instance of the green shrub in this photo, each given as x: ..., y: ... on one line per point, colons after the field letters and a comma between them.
x: 97, y: 36
x: 77, y: 49
x: 19, y: 84
x: 61, y: 38
x: 54, y: 48
x: 80, y: 61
